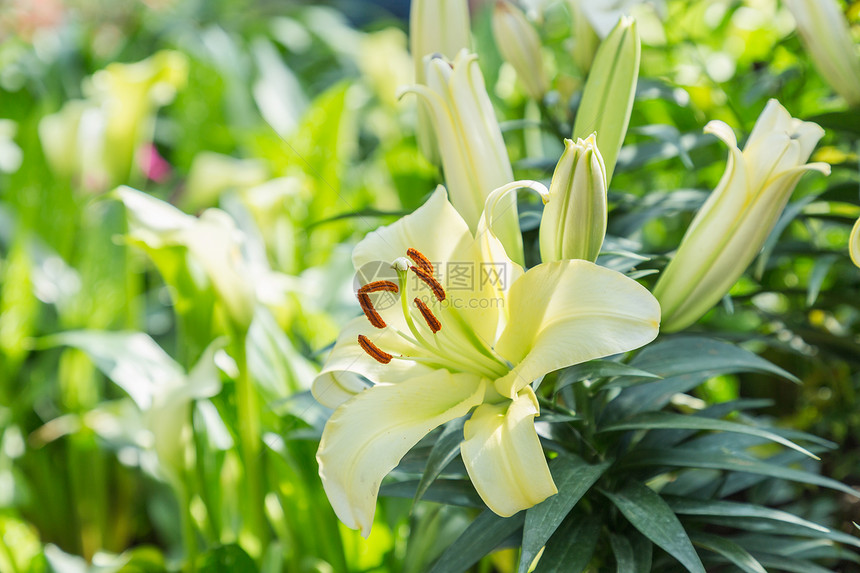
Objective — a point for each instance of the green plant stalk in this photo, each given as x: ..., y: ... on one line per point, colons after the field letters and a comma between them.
x: 583, y: 408
x: 189, y: 535
x: 250, y: 436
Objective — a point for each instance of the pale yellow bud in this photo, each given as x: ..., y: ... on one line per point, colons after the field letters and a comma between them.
x: 607, y: 100
x: 520, y: 46
x: 435, y: 27
x: 825, y: 33
x: 474, y: 158
x: 731, y: 227
x: 574, y: 218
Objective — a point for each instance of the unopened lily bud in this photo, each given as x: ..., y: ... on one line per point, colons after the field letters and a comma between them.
x: 574, y: 218
x: 607, y: 100
x: 825, y: 33
x: 585, y: 40
x: 854, y: 244
x: 731, y: 227
x: 435, y: 27
x: 474, y: 157
x: 520, y: 46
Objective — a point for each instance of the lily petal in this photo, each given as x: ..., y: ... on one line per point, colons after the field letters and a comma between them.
x: 366, y: 437
x: 567, y: 312
x: 503, y: 455
x: 435, y: 228
x: 340, y: 378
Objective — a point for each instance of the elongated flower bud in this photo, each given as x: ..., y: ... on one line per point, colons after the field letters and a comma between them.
x: 474, y: 157
x: 435, y: 27
x: 854, y: 244
x: 607, y: 100
x: 520, y: 46
x: 731, y: 227
x: 574, y: 218
x: 825, y: 33
x: 585, y: 40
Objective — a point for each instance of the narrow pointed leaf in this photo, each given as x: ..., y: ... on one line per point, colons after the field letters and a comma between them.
x: 570, y: 548
x: 482, y: 536
x: 724, y: 460
x: 446, y: 448
x: 689, y: 354
x: 668, y: 420
x: 625, y: 560
x: 730, y: 550
x: 648, y: 513
x: 573, y: 478
x: 594, y: 369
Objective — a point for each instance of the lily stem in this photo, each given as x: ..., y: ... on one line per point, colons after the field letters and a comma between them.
x: 583, y: 408
x: 250, y: 436
x: 188, y: 533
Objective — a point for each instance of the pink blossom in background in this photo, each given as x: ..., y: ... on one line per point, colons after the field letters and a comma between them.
x: 152, y: 164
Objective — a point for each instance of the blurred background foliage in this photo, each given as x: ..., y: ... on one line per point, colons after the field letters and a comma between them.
x: 284, y: 116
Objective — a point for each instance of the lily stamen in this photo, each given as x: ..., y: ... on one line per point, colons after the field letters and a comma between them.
x: 420, y: 260
x: 373, y: 350
x: 428, y: 315
x: 370, y: 312
x: 378, y: 286
x: 431, y: 282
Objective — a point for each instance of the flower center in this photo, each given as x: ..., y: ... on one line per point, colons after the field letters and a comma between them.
x: 456, y: 347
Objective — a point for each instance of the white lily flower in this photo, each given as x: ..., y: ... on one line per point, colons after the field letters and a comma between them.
x: 854, y: 244
x: 731, y: 227
x: 520, y: 46
x: 213, y: 243
x: 474, y: 157
x: 435, y: 27
x: 441, y: 341
x: 573, y: 224
x: 825, y: 33
x: 128, y: 95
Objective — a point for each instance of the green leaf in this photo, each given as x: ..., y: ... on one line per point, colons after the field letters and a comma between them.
x: 668, y: 420
x: 445, y: 449
x: 570, y: 548
x: 648, y: 513
x: 133, y: 360
x: 647, y: 397
x: 781, y: 528
x: 791, y: 564
x: 573, y: 478
x: 632, y: 552
x: 665, y: 438
x: 692, y: 354
x: 635, y: 156
x: 690, y: 506
x: 226, y: 559
x: 724, y: 460
x: 684, y: 362
x: 625, y: 561
x: 845, y: 121
x: 730, y: 550
x: 789, y: 214
x: 482, y: 536
x: 594, y: 369
x: 816, y: 277
x: 449, y: 491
